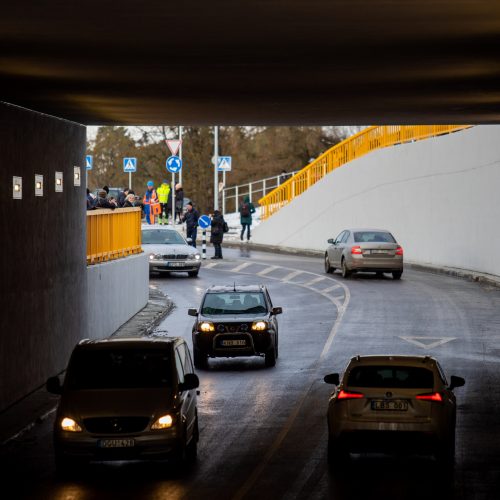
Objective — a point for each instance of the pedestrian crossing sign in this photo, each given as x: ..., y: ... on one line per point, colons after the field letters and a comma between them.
x: 224, y: 164
x: 129, y: 165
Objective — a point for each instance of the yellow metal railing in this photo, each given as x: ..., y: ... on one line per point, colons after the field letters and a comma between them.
x: 112, y: 234
x: 358, y: 145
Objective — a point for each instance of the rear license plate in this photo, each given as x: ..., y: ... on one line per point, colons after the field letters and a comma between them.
x: 393, y: 405
x: 380, y: 251
x: 176, y: 264
x: 116, y: 443
x: 230, y: 343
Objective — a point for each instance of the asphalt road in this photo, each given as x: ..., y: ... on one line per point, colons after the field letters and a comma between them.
x: 263, y: 430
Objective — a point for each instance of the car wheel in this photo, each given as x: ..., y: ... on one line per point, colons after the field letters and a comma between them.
x: 193, y: 274
x: 192, y: 447
x: 445, y: 452
x: 346, y: 273
x: 200, y: 359
x: 396, y: 275
x: 336, y: 453
x: 270, y: 357
x: 328, y: 268
x: 68, y: 467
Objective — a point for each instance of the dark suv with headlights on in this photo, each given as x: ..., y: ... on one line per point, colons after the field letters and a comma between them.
x: 235, y: 321
x: 126, y: 399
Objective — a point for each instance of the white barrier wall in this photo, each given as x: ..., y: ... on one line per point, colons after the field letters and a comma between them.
x: 440, y: 198
x: 116, y: 291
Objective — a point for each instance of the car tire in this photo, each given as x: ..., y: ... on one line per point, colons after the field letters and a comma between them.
x: 396, y: 275
x: 270, y: 357
x: 337, y: 454
x: 328, y: 268
x: 193, y: 274
x: 68, y: 467
x: 346, y: 273
x: 192, y: 447
x: 445, y: 452
x: 200, y: 359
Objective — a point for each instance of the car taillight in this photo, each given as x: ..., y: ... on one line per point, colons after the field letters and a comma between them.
x: 399, y: 250
x: 349, y: 395
x: 432, y: 396
x: 356, y: 250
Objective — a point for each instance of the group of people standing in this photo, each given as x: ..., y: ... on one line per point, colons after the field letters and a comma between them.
x: 125, y: 199
x: 159, y: 202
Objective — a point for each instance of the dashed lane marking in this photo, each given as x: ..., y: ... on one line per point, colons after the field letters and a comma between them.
x: 268, y: 270
x: 428, y: 342
x: 331, y: 288
x: 239, y: 268
x: 210, y: 265
x: 315, y: 280
x: 291, y: 275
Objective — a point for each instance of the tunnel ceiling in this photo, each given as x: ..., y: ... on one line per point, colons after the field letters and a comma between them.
x: 253, y: 62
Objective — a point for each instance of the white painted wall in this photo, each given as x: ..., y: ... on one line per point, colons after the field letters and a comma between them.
x: 116, y: 290
x: 439, y: 197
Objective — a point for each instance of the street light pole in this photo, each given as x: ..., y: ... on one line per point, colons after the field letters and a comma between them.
x: 216, y: 163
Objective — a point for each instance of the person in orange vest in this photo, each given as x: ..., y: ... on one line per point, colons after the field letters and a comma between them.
x: 150, y: 198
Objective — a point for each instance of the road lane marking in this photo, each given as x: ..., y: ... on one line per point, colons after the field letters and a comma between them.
x: 267, y: 270
x: 315, y: 280
x: 331, y: 288
x: 210, y: 265
x: 434, y: 341
x: 290, y: 276
x: 239, y: 268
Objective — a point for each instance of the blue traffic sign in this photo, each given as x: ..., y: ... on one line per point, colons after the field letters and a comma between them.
x: 204, y: 221
x: 88, y: 162
x: 174, y: 164
x: 224, y: 164
x: 130, y: 164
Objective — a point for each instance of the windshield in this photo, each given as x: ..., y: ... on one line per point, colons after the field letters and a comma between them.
x: 402, y: 377
x: 234, y: 303
x: 162, y: 237
x: 119, y: 369
x: 373, y: 237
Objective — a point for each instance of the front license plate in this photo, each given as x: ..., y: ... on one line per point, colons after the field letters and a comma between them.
x: 393, y: 405
x: 176, y: 264
x: 116, y: 443
x: 230, y: 343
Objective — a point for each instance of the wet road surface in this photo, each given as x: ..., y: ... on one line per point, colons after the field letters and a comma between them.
x: 263, y: 430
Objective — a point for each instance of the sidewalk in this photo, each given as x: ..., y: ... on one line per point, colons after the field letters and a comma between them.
x: 37, y: 406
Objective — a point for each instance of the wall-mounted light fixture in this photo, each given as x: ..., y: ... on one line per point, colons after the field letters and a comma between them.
x: 17, y: 188
x: 38, y: 185
x: 59, y: 182
x: 76, y: 176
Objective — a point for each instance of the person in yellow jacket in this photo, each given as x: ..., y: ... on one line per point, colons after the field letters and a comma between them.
x: 163, y: 197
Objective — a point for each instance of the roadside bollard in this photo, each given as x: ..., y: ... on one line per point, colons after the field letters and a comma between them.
x: 204, y: 245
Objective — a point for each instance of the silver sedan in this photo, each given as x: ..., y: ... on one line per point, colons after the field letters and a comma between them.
x: 367, y: 250
x: 169, y: 251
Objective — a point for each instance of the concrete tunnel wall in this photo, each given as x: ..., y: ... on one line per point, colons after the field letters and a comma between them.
x: 439, y: 197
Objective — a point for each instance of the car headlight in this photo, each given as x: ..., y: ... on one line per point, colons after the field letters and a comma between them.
x: 206, y: 326
x: 154, y: 256
x: 197, y: 256
x: 258, y: 326
x: 194, y: 256
x: 164, y: 422
x: 69, y: 425
x: 151, y: 256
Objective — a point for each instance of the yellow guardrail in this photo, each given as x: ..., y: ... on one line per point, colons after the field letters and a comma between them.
x: 112, y: 234
x: 358, y: 145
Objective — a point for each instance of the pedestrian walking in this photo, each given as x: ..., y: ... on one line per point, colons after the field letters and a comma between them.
x: 191, y: 219
x: 179, y: 201
x: 163, y: 196
x: 218, y: 228
x: 246, y: 209
x: 150, y: 198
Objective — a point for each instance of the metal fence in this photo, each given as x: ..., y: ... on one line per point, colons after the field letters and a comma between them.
x: 113, y: 234
x: 358, y: 145
x: 233, y: 195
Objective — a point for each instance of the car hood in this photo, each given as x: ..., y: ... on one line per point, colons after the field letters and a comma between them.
x: 234, y: 318
x: 116, y: 402
x: 169, y: 249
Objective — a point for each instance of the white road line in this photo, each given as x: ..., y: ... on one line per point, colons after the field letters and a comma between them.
x: 292, y: 275
x: 210, y: 265
x: 241, y: 266
x: 267, y: 270
x: 331, y: 288
x: 315, y: 280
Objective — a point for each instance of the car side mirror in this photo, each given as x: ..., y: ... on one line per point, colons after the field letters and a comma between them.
x: 53, y: 385
x: 456, y: 382
x: 277, y: 310
x: 331, y: 241
x: 332, y: 378
x: 191, y: 381
x: 192, y: 312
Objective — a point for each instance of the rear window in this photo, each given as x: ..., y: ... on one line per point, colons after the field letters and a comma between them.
x: 120, y: 369
x: 234, y: 303
x: 373, y: 237
x: 402, y: 377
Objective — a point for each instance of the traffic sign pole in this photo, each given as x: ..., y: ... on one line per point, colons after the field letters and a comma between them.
x: 204, y: 245
x: 130, y: 181
x: 180, y: 152
x: 216, y: 171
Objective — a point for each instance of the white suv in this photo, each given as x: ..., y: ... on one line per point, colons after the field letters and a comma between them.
x: 392, y: 403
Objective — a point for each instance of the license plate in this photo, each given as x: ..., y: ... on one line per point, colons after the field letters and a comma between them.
x: 116, y: 443
x: 392, y: 405
x: 176, y: 264
x: 380, y: 251
x: 229, y: 343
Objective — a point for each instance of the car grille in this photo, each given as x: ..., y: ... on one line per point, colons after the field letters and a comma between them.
x: 115, y: 425
x: 232, y: 327
x: 174, y: 257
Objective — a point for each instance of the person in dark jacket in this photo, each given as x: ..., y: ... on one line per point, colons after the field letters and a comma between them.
x: 191, y: 219
x: 103, y: 202
x: 179, y: 201
x: 129, y: 201
x: 90, y: 200
x: 217, y: 233
x: 122, y: 197
x: 246, y: 209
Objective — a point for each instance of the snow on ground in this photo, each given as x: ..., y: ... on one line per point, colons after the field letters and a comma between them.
x: 233, y: 221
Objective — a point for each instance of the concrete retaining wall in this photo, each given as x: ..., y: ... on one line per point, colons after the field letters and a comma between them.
x: 116, y: 291
x: 439, y: 197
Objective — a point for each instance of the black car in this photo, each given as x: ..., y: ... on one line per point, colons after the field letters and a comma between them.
x: 235, y: 321
x: 126, y: 399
